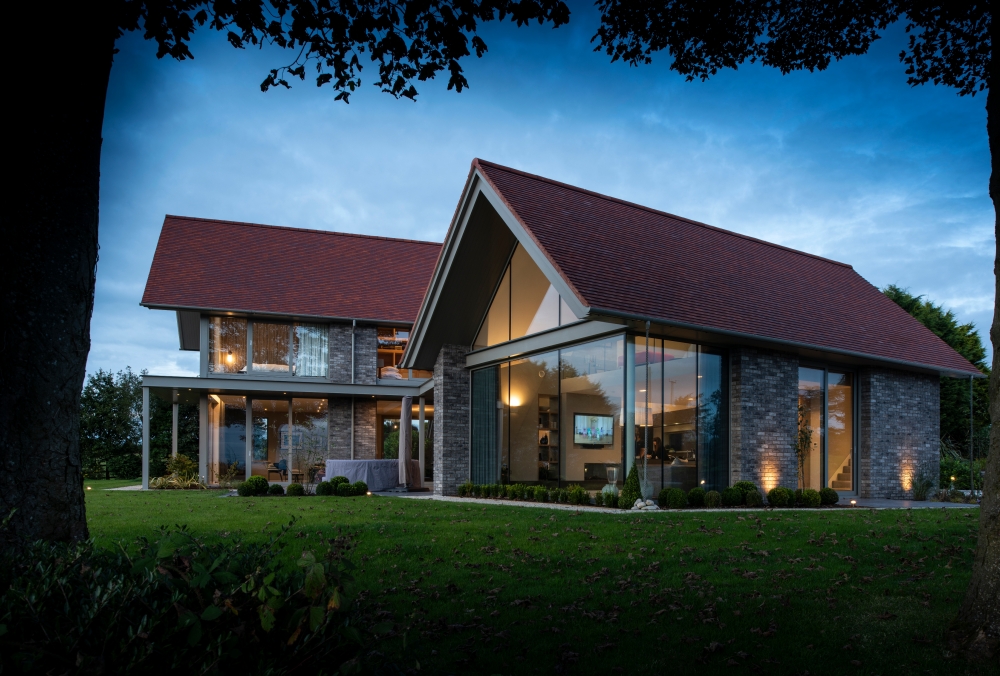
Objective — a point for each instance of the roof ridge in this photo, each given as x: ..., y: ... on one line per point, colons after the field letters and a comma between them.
x: 288, y: 227
x: 655, y: 211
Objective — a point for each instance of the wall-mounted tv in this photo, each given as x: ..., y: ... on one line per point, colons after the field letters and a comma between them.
x: 593, y: 430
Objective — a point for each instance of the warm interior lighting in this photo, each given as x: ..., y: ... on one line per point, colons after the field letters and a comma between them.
x: 229, y: 357
x: 515, y: 401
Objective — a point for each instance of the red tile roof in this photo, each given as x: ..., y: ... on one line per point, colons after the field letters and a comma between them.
x: 626, y: 259
x: 244, y: 267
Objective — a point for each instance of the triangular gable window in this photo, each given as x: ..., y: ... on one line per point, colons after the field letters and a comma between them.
x: 525, y: 302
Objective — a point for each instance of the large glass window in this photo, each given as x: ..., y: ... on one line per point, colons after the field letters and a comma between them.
x: 825, y: 442
x: 713, y: 421
x: 227, y: 438
x: 525, y: 303
x: 271, y: 347
x: 271, y: 441
x: 533, y: 429
x: 310, y: 438
x: 227, y: 345
x: 592, y: 398
x: 312, y: 356
x: 809, y: 443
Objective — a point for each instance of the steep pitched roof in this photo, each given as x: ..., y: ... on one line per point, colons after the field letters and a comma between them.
x: 628, y: 260
x: 244, y: 267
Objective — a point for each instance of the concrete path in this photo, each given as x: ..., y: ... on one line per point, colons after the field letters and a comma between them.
x: 844, y: 504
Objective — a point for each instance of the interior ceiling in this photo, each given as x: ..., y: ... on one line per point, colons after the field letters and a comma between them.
x: 468, y: 286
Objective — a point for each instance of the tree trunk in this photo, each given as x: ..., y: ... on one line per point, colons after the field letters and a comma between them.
x: 976, y: 630
x: 49, y: 261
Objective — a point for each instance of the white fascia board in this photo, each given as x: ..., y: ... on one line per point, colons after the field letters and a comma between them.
x: 541, y: 260
x: 239, y: 385
x: 455, y: 231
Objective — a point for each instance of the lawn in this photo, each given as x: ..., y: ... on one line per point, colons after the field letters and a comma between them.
x: 487, y: 589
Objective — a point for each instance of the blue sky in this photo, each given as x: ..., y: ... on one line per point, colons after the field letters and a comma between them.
x: 851, y: 163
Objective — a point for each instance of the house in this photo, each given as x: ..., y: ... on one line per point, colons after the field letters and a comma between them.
x: 562, y: 336
x: 300, y: 335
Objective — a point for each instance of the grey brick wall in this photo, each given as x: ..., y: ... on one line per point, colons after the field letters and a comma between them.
x: 364, y: 429
x: 451, y: 420
x: 899, y: 431
x: 340, y: 353
x: 764, y: 417
x: 365, y: 355
x: 340, y: 428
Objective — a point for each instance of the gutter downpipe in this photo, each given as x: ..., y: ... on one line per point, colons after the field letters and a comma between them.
x: 354, y: 324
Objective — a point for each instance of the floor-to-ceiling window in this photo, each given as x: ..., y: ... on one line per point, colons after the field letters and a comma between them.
x: 532, y: 452
x: 227, y: 437
x: 310, y: 437
x: 275, y: 348
x: 826, y: 429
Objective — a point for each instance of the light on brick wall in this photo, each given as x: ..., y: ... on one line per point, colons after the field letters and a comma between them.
x: 906, y: 472
x: 770, y: 474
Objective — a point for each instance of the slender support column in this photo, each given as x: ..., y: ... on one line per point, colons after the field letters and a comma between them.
x: 203, y: 437
x: 352, y: 428
x: 145, y: 438
x: 248, y: 461
x: 420, y: 443
x: 173, y: 428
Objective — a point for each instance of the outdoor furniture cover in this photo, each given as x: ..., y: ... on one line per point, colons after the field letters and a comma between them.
x: 380, y: 475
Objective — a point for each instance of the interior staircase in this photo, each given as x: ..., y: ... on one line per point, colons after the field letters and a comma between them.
x: 844, y: 478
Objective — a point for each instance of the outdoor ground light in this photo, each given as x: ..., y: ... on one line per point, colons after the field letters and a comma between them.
x: 854, y: 503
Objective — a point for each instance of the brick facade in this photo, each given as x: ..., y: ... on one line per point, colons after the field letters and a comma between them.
x: 364, y: 429
x: 340, y: 353
x: 451, y: 420
x: 340, y: 428
x: 898, y: 431
x: 764, y: 418
x: 365, y: 354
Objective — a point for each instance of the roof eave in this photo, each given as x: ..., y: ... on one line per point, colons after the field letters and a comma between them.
x: 284, y: 315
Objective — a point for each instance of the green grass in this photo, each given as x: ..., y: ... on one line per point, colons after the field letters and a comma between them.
x: 475, y: 588
x: 104, y: 484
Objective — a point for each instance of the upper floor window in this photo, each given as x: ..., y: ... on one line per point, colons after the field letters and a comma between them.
x: 525, y: 303
x: 274, y: 347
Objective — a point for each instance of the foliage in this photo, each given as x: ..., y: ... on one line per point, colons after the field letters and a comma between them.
x: 779, y: 496
x: 177, y: 603
x: 949, y: 43
x: 255, y: 485
x: 275, y: 489
x: 229, y: 478
x: 630, y: 491
x: 324, y: 488
x: 964, y: 339
x: 111, y: 425
x: 959, y: 468
x: 662, y: 497
x: 828, y: 496
x: 745, y: 487
x: 753, y: 499
x: 696, y: 497
x: 731, y: 497
x: 676, y: 499
x: 340, y: 480
x: 541, y: 494
x: 922, y: 486
x: 577, y: 495
x: 713, y: 499
x: 295, y: 490
x: 359, y: 488
x: 344, y: 490
x: 562, y: 496
x: 810, y: 498
x: 803, y: 443
x: 183, y: 475
x: 599, y: 499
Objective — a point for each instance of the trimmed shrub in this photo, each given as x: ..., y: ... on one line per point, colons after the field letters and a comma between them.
x: 562, y: 495
x: 828, y: 496
x: 295, y: 490
x: 578, y: 495
x: 754, y: 499
x: 464, y: 490
x: 662, y: 497
x: 276, y: 489
x: 611, y: 500
x: 731, y: 497
x: 745, y: 487
x: 344, y: 490
x: 676, y: 498
x: 811, y: 498
x: 324, y: 488
x: 696, y: 497
x: 340, y: 480
x: 779, y: 496
x: 630, y: 491
x: 599, y: 499
x: 797, y: 498
x: 359, y: 488
x: 255, y: 485
x: 713, y: 499
x: 541, y: 494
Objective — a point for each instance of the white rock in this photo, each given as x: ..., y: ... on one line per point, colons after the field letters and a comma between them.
x: 651, y: 507
x: 639, y: 502
x: 649, y: 503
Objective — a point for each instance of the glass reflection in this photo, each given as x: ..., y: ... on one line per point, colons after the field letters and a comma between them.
x: 271, y: 443
x: 840, y: 426
x: 809, y: 444
x: 227, y: 345
x: 533, y: 398
x: 309, y: 439
x: 713, y: 451
x: 271, y: 347
x: 227, y: 438
x: 496, y: 326
x: 534, y: 303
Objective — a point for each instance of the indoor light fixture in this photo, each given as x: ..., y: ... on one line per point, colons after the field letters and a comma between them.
x: 229, y: 357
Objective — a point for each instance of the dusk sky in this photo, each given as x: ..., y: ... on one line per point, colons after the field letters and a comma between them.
x: 851, y: 164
